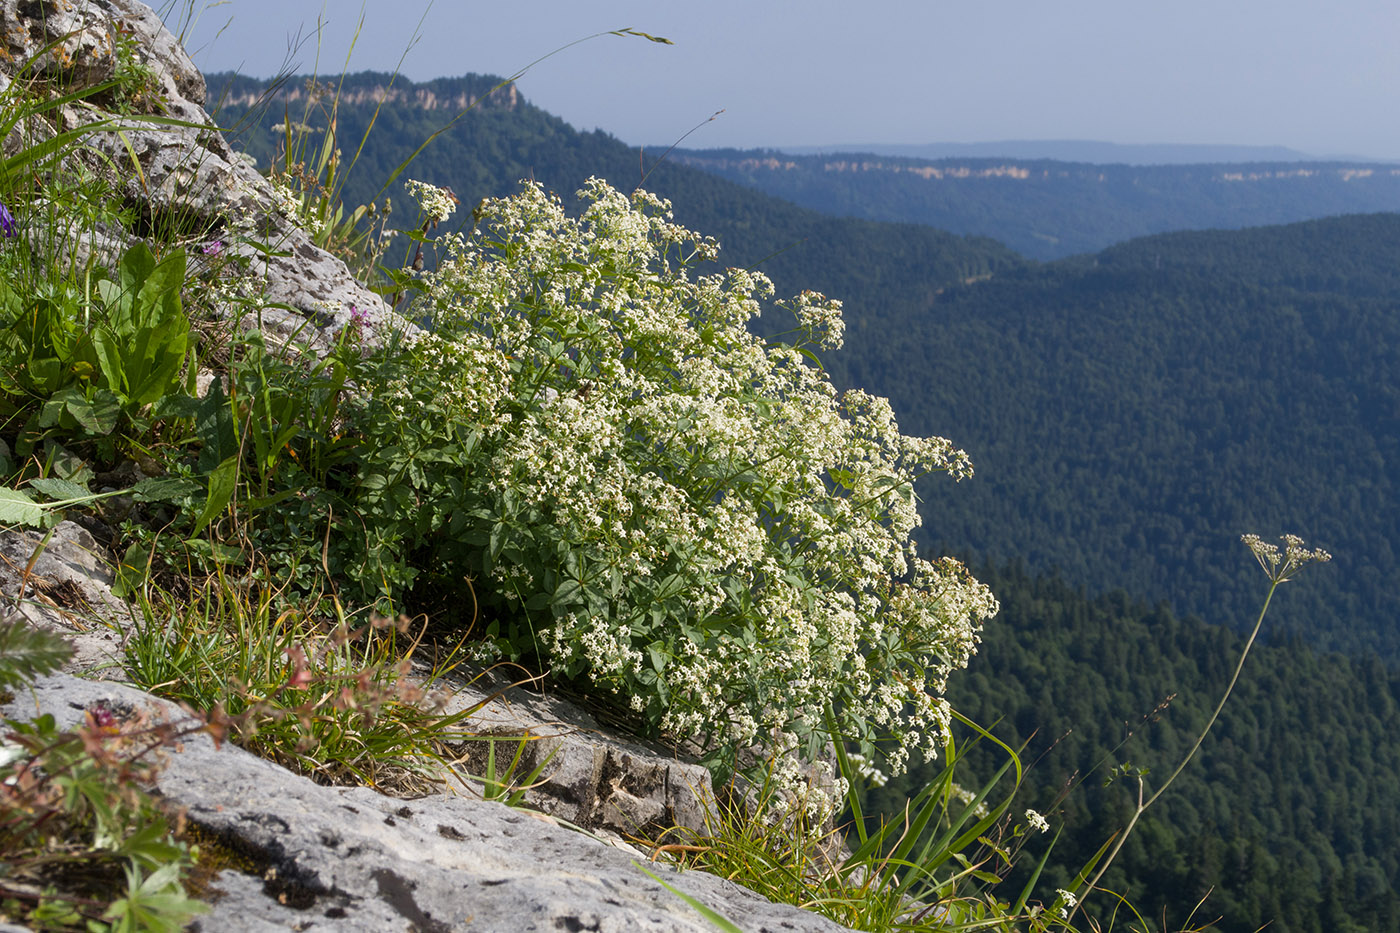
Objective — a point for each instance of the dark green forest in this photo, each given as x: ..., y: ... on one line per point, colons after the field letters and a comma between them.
x: 1049, y: 210
x: 1288, y: 814
x: 1130, y: 413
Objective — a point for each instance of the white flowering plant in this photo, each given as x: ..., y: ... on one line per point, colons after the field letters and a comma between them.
x: 651, y: 499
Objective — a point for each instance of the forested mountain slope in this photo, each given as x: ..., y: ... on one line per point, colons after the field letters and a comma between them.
x: 1289, y: 814
x: 1131, y: 414
x: 1049, y: 209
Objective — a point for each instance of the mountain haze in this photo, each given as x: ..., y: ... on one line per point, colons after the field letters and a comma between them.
x: 1077, y: 150
x: 1051, y: 209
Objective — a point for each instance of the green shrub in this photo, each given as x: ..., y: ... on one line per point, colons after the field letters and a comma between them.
x: 653, y: 500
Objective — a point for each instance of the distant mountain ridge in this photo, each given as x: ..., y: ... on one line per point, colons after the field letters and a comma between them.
x: 453, y: 95
x: 1085, y: 150
x: 1048, y: 209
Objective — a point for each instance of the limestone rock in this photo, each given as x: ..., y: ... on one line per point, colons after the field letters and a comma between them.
x: 587, y: 776
x: 66, y: 589
x: 190, y: 186
x: 349, y: 859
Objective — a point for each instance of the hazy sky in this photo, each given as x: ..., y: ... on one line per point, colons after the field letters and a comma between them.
x: 1322, y: 76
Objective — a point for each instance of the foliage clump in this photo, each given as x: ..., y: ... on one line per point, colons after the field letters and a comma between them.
x: 661, y: 503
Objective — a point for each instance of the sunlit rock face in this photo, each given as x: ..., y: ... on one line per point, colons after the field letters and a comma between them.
x: 186, y: 184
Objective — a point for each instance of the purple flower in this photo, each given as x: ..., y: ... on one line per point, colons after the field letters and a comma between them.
x: 359, y: 322
x: 213, y: 249
x: 7, y: 222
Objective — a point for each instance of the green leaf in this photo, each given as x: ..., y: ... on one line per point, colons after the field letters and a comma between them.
x: 565, y: 591
x: 136, y: 266
x: 52, y: 411
x: 65, y: 464
x: 163, y: 489
x: 177, y: 406
x: 46, y: 374
x: 97, y: 415
x: 16, y: 508
x: 132, y: 571
x: 27, y: 652
x: 220, y: 553
x: 158, y: 301
x: 109, y: 360
x: 60, y: 489
x: 215, y: 428
x: 221, y: 486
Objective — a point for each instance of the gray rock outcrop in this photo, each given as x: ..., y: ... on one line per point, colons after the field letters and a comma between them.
x: 351, y: 859
x: 191, y: 186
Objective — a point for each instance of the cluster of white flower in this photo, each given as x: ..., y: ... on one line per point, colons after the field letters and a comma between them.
x: 1283, y: 564
x: 820, y: 317
x: 967, y: 798
x: 729, y: 542
x: 867, y: 771
x: 436, y: 203
x: 1037, y: 822
x: 289, y: 204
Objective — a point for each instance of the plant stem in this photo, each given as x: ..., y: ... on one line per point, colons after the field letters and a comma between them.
x: 1142, y: 806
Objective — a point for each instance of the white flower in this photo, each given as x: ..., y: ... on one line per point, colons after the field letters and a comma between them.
x: 1036, y: 821
x: 437, y: 203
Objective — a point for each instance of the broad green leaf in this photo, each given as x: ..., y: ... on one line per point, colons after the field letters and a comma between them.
x: 136, y: 267
x: 99, y: 414
x: 215, y: 428
x: 16, y: 508
x: 164, y: 489
x: 46, y: 374
x: 158, y: 300
x: 60, y: 489
x: 566, y: 591
x: 52, y: 411
x: 65, y: 464
x: 221, y: 553
x: 221, y: 486
x: 658, y: 656
x: 180, y: 405
x: 109, y: 359
x: 132, y: 571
